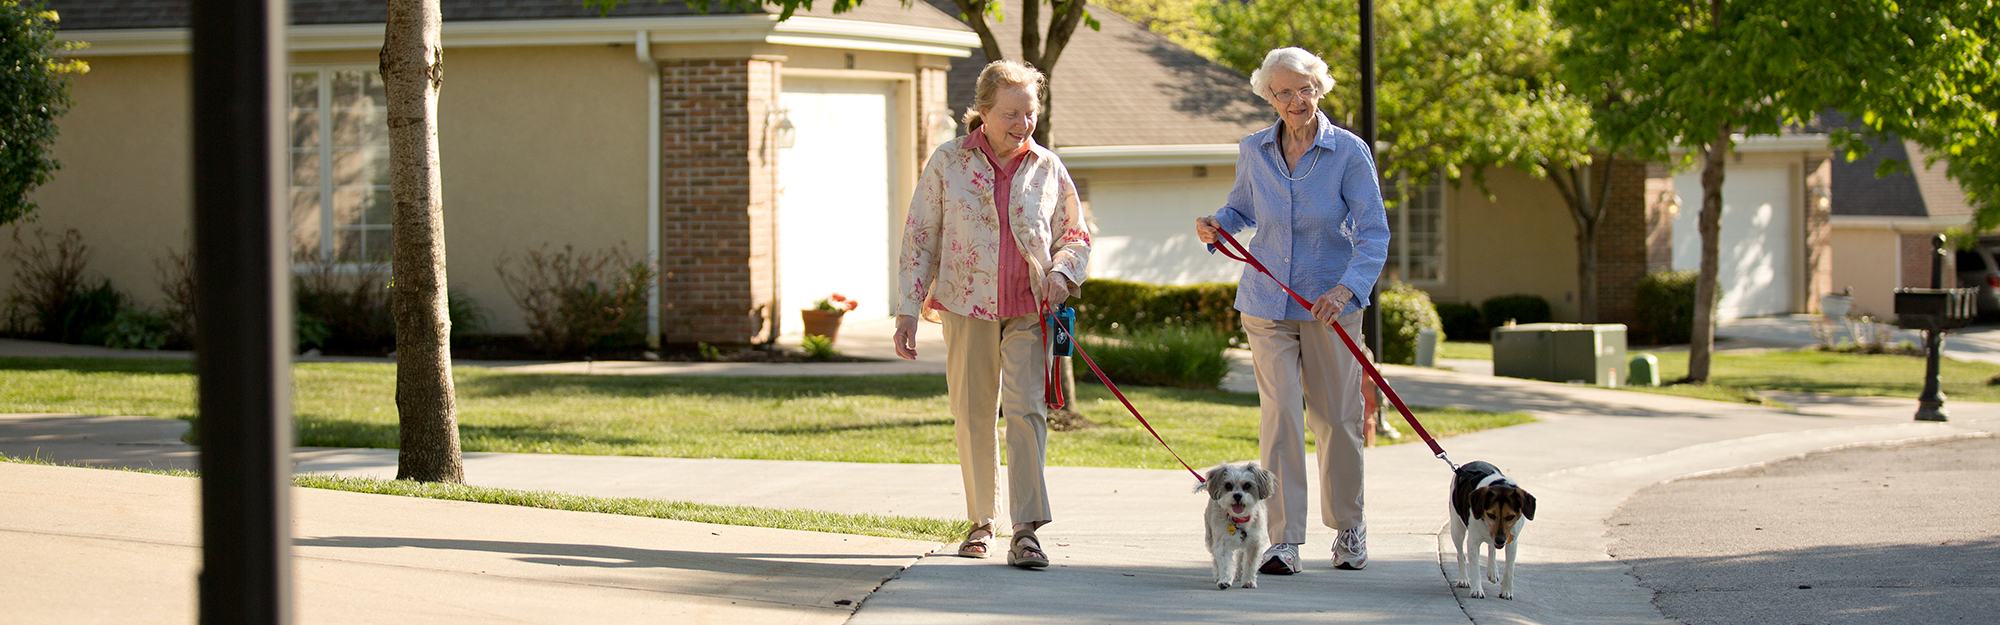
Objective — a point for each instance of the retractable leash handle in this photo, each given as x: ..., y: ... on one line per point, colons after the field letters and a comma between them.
x: 1373, y: 373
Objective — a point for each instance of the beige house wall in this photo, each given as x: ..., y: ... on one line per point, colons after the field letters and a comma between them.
x: 1868, y: 260
x: 124, y: 184
x: 1521, y: 241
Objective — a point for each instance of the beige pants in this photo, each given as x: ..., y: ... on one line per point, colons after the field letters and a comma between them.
x: 998, y: 369
x: 1304, y: 365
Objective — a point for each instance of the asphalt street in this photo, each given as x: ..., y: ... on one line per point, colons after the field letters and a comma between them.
x: 1901, y: 534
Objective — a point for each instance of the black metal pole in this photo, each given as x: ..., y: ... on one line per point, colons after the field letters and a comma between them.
x: 243, y: 310
x: 1371, y: 321
x: 1930, y: 403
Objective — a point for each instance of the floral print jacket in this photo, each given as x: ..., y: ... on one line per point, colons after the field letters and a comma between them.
x: 951, y: 241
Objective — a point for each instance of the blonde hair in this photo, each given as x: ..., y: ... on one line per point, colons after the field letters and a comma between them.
x: 1297, y: 60
x: 1001, y: 74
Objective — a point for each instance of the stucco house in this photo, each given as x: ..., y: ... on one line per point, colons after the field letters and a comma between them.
x: 766, y: 164
x: 1882, y: 226
x: 759, y: 162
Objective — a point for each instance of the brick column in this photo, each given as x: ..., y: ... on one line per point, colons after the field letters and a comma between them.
x: 1622, y: 237
x: 718, y: 236
x: 931, y: 102
x: 1819, y: 231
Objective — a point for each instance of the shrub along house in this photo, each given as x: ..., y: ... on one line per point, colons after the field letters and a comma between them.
x: 761, y: 164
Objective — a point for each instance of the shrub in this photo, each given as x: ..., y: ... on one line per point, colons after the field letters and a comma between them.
x: 576, y: 302
x: 1165, y: 356
x: 133, y: 328
x: 1462, y: 321
x: 47, y: 278
x: 1665, y: 300
x: 467, y: 316
x: 175, y: 275
x: 342, y: 311
x: 1405, y: 311
x: 1519, y: 308
x: 1110, y: 306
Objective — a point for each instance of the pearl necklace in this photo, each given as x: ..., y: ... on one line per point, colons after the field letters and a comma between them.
x: 1309, y: 168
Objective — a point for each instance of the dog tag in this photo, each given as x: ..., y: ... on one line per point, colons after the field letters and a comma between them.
x: 1232, y: 529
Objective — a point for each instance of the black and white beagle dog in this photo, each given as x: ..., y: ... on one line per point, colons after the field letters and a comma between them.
x: 1490, y: 509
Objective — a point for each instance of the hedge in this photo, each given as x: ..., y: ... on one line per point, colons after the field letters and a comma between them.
x: 1666, y: 306
x: 1113, y: 306
x: 1405, y: 311
x: 1520, y: 308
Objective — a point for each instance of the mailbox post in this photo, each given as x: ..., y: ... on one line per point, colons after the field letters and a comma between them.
x: 1934, y: 310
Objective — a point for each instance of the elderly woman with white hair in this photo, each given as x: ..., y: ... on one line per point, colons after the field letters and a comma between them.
x: 995, y: 238
x: 1310, y: 190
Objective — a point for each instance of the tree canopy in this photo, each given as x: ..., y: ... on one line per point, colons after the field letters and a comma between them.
x: 1462, y: 83
x: 34, y: 92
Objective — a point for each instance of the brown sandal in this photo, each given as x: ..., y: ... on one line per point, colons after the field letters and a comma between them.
x: 973, y: 548
x: 1027, y: 552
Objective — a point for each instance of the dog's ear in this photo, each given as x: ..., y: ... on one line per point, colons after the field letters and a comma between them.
x: 1480, y: 498
x: 1267, y: 482
x: 1528, y: 505
x: 1213, y: 481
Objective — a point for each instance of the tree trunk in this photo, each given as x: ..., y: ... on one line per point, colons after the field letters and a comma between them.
x: 1037, y: 50
x: 1586, y: 208
x: 412, y: 65
x: 1701, y: 345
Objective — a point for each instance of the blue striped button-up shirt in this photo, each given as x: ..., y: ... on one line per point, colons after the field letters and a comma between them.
x: 1326, y: 229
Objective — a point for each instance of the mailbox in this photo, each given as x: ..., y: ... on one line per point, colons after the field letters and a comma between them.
x: 1936, y: 309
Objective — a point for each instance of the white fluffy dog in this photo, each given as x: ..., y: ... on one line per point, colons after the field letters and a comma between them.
x: 1235, y: 521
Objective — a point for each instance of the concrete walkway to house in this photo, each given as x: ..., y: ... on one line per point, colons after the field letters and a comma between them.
x: 1126, y: 542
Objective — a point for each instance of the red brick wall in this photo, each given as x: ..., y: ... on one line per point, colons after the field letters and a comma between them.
x: 718, y: 236
x: 1623, y: 248
x: 1917, y: 252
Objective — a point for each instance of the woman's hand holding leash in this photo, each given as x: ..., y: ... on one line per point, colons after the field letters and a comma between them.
x: 1055, y: 289
x: 1331, y: 304
x: 1205, y: 228
x: 906, y: 337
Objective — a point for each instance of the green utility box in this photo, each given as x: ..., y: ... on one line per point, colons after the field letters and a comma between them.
x: 1561, y: 352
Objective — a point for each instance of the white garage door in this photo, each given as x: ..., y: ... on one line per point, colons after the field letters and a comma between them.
x: 1754, y: 268
x: 1145, y: 232
x: 833, y: 196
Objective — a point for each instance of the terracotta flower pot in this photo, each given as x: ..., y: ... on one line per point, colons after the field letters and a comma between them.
x: 823, y: 323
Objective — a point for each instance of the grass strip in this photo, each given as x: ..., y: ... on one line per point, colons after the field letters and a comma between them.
x: 913, y: 528
x: 877, y: 419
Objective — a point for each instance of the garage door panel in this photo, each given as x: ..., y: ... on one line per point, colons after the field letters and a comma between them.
x: 834, y: 202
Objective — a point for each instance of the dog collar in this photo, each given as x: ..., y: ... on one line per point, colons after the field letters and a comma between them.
x: 1240, y: 521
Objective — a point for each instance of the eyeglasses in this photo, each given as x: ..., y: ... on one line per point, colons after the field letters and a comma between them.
x: 1303, y: 93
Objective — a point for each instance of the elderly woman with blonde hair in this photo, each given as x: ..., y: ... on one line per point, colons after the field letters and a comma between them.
x: 1310, y: 190
x: 994, y: 239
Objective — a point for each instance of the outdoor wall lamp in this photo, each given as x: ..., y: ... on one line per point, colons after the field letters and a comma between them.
x: 787, y: 135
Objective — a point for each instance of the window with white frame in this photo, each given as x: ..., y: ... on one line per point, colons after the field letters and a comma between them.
x: 1416, y: 225
x: 340, y: 208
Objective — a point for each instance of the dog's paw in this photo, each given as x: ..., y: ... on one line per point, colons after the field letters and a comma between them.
x: 1250, y: 584
x: 1492, y: 578
x: 1222, y: 585
x: 1477, y: 593
x: 1508, y: 595
x: 1461, y: 583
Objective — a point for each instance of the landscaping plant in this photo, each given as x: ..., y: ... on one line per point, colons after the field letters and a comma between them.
x: 1167, y: 356
x: 1406, y: 310
x: 579, y: 301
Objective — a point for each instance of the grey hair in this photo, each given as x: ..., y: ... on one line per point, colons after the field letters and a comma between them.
x: 1296, y: 60
x: 996, y: 75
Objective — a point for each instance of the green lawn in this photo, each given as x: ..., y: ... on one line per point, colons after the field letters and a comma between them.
x: 847, y: 419
x: 1466, y: 350
x: 1837, y: 373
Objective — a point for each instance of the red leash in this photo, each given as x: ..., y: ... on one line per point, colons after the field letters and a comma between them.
x: 1055, y: 396
x: 1351, y: 347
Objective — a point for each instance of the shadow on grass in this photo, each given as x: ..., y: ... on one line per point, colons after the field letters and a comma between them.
x: 100, y: 365
x: 504, y: 385
x: 805, y: 430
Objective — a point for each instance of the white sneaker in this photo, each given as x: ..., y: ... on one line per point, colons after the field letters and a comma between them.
x: 1281, y: 559
x: 1350, y: 550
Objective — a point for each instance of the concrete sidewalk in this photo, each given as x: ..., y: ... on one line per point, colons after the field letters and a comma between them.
x: 1126, y: 542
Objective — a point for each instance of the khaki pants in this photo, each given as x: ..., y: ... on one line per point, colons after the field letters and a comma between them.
x: 1304, y: 365
x: 998, y: 369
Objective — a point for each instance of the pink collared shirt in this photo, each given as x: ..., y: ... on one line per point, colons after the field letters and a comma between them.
x: 1015, y: 297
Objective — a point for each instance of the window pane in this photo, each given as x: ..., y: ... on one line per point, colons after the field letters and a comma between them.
x: 379, y: 245
x: 305, y: 168
x: 361, y: 166
x: 305, y: 216
x: 348, y: 203
x: 346, y: 245
x: 305, y: 90
x: 372, y: 90
x: 347, y: 89
x: 367, y: 126
x: 378, y: 208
